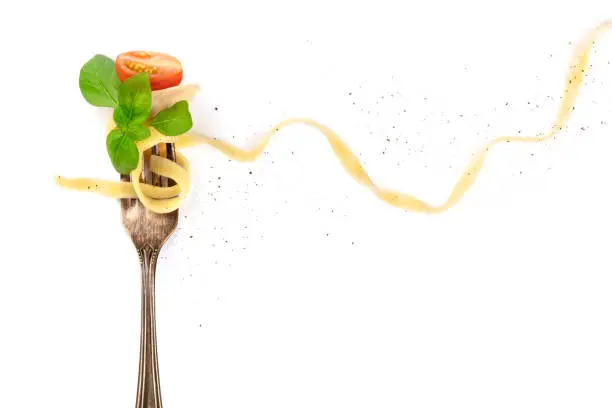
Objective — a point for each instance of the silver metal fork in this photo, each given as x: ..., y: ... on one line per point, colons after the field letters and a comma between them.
x: 149, y: 231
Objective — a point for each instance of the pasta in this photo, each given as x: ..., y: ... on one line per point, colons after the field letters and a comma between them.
x: 167, y: 199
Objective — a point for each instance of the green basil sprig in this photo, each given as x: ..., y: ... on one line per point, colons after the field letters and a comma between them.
x: 131, y: 101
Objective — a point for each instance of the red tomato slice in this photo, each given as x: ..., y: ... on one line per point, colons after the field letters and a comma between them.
x: 164, y: 70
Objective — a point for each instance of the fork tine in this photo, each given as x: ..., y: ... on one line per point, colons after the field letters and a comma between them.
x: 171, y: 155
x: 146, y: 171
x: 126, y: 202
x: 155, y: 179
x: 163, y: 151
x: 171, y: 151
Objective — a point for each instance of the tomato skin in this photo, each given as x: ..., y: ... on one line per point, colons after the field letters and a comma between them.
x: 164, y: 70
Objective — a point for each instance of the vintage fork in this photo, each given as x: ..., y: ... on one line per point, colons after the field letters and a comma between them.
x: 149, y: 231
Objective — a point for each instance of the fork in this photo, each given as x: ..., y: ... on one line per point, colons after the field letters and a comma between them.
x: 149, y: 231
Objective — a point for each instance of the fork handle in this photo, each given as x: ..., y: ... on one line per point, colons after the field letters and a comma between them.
x: 149, y: 392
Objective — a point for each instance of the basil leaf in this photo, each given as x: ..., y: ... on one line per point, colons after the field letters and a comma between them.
x: 173, y: 121
x: 99, y: 82
x: 134, y: 100
x: 137, y: 132
x: 122, y: 151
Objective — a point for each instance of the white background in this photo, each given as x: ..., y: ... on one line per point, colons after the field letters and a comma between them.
x: 293, y: 286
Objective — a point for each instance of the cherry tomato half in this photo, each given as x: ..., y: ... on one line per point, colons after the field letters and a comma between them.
x: 164, y: 70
